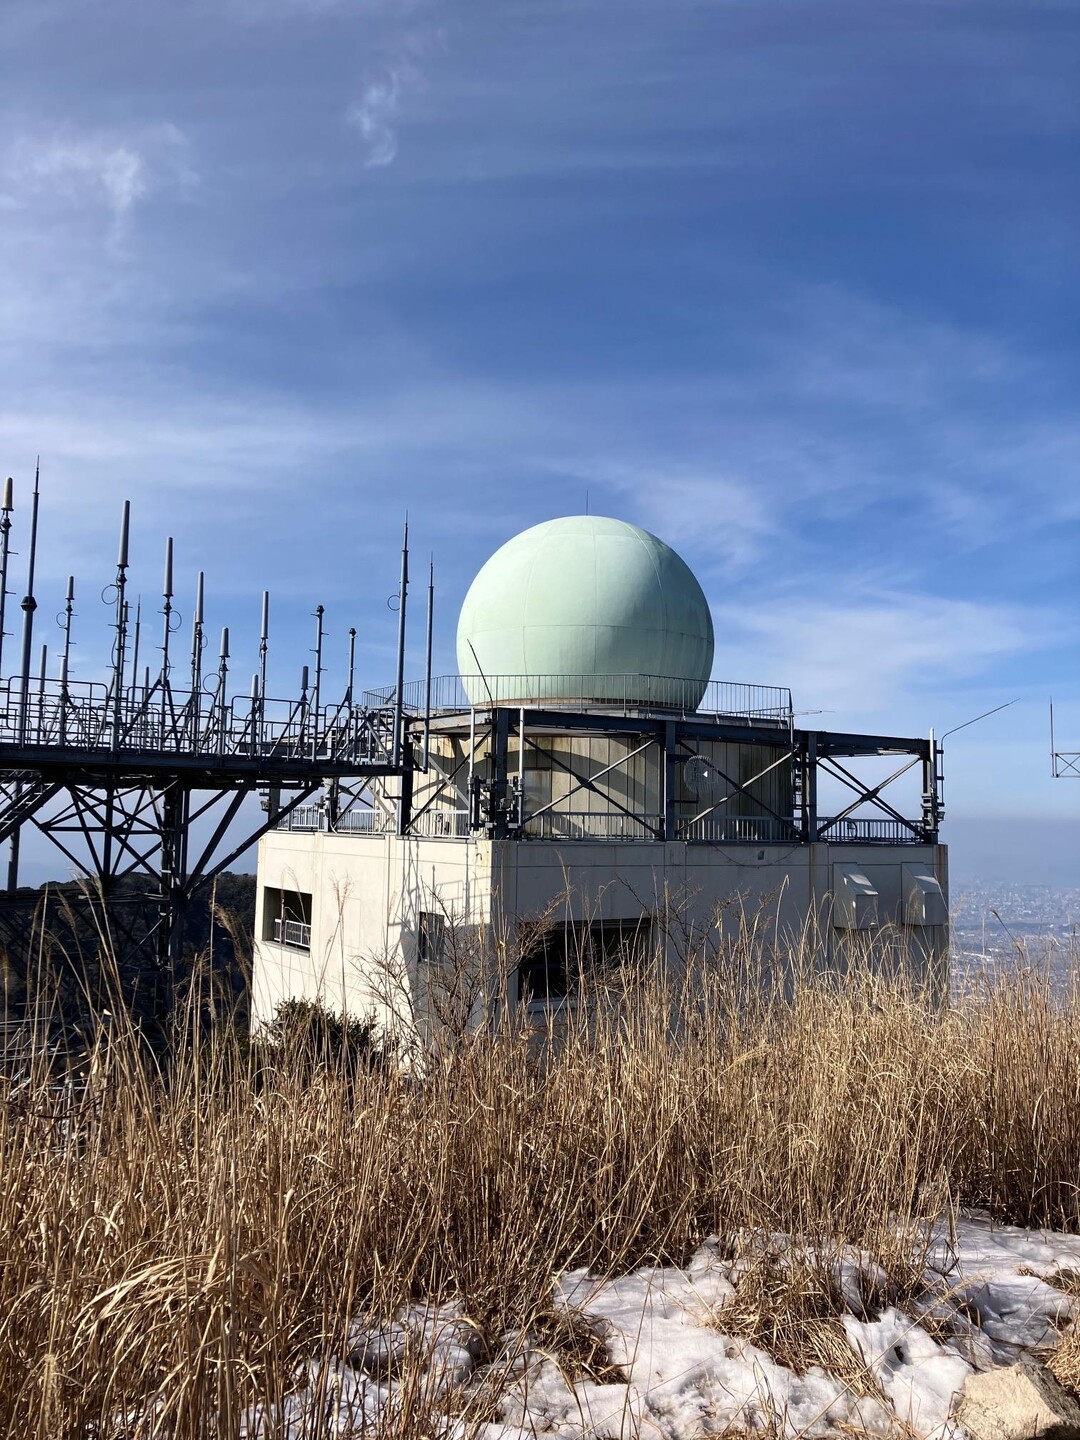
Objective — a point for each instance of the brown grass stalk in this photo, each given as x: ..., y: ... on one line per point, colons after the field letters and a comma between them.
x: 176, y: 1239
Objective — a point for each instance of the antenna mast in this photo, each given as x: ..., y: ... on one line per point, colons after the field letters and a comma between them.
x: 5, y: 550
x: 403, y: 593
x: 65, y: 657
x: 120, y: 652
x: 29, y: 605
x: 198, y: 640
x: 352, y: 667
x: 427, y: 662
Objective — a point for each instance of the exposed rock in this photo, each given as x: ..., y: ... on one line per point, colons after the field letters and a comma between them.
x: 1018, y: 1402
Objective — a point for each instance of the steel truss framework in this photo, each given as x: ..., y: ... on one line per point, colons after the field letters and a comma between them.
x: 130, y: 810
x: 142, y: 785
x: 482, y: 791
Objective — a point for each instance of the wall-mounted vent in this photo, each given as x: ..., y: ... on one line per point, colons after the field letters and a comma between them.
x: 855, y: 900
x: 924, y: 902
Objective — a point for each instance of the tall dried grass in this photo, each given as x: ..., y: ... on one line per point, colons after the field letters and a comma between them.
x: 175, y: 1239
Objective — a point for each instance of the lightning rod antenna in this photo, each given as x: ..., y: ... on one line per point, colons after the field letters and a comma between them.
x: 120, y: 653
x: 197, y: 643
x: 166, y: 631
x: 427, y: 662
x: 316, y: 698
x: 135, y: 645
x: 264, y: 646
x: 65, y: 657
x: 29, y: 605
x: 166, y: 610
x: 403, y: 593
x: 5, y: 550
x: 223, y: 681
x: 43, y: 673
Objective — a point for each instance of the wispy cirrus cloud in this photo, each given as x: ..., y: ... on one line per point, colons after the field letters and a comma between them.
x: 859, y: 653
x: 375, y: 114
x: 113, y: 170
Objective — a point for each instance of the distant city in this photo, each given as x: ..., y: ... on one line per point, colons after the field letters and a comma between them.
x: 997, y: 926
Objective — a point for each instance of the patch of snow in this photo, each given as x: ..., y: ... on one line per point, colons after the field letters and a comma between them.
x: 920, y: 1377
x: 684, y: 1377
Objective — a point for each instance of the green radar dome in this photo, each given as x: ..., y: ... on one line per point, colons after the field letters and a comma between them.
x: 586, y: 609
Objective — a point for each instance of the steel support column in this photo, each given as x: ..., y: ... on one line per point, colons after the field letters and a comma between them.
x: 810, y: 796
x: 172, y: 893
x: 671, y: 780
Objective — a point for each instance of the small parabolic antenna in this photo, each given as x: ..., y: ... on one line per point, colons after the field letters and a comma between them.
x: 703, y: 780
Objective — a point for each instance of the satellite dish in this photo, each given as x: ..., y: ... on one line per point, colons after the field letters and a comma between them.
x: 703, y: 780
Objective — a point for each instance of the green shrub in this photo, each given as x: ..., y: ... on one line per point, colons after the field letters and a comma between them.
x: 309, y: 1036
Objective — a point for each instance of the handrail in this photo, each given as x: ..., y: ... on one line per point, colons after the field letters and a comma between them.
x: 158, y: 720
x: 295, y: 933
x: 728, y: 698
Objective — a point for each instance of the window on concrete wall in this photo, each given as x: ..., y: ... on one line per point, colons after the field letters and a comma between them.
x: 431, y: 938
x: 287, y: 917
x: 557, y: 958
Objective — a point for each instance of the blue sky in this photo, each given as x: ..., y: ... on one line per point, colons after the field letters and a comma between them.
x: 792, y: 283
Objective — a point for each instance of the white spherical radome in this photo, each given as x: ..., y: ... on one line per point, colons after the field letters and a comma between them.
x: 586, y: 608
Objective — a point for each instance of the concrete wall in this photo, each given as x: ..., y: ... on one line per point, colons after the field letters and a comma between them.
x: 368, y: 893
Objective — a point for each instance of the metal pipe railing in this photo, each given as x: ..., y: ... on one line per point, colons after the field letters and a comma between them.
x: 727, y: 698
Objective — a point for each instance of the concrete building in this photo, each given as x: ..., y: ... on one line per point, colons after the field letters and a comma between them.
x: 584, y: 768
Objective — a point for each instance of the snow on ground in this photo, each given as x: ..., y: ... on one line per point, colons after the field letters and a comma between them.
x: 676, y: 1374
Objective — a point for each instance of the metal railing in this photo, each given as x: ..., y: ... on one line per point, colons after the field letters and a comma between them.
x: 303, y: 818
x: 445, y: 823
x: 593, y: 825
x: 730, y: 699
x: 740, y: 830
x: 441, y: 824
x: 435, y: 824
x: 866, y: 831
x: 362, y: 821
x: 295, y: 933
x: 157, y: 719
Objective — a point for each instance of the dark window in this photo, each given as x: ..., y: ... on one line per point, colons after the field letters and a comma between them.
x: 556, y: 957
x: 287, y: 917
x: 431, y: 938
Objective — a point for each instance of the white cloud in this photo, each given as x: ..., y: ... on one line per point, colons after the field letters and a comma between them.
x: 113, y: 170
x: 374, y: 114
x: 861, y: 655
x: 708, y: 508
x: 118, y: 172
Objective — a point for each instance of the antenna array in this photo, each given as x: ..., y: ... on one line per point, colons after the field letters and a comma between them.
x: 115, y: 772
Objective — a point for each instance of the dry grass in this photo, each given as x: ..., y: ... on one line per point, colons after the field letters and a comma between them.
x: 790, y: 1306
x: 1064, y: 1361
x: 174, y: 1244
